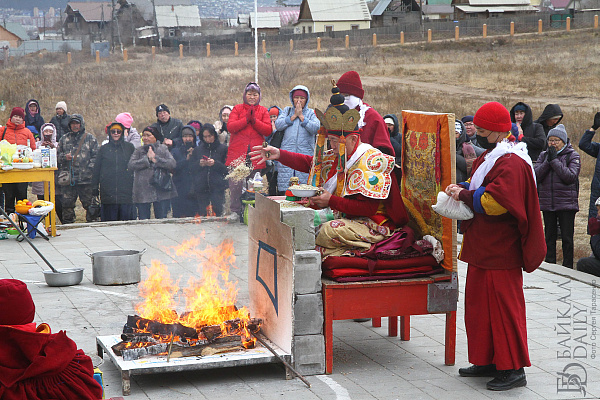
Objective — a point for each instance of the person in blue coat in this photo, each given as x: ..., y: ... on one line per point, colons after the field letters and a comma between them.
x: 300, y: 126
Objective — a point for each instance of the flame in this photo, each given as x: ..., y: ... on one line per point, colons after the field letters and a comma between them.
x: 210, y: 298
x: 158, y: 291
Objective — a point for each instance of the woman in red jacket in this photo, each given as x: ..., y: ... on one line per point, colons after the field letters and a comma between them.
x: 248, y: 124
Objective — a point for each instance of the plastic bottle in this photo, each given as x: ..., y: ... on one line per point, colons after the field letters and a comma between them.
x: 258, y: 183
x: 37, y: 158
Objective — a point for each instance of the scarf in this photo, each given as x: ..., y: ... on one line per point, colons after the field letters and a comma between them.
x: 353, y: 102
x: 502, y: 148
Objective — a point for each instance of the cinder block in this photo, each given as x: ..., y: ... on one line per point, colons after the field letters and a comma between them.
x: 308, y: 314
x: 308, y: 352
x: 302, y: 222
x: 307, y: 272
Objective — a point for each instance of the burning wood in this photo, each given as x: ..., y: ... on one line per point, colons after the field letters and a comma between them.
x: 138, y: 324
x: 214, y: 326
x: 142, y: 337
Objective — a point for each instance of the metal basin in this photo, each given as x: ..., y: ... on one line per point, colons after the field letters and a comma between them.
x: 116, y: 267
x: 64, y: 277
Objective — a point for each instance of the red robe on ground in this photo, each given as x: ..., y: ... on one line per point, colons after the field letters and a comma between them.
x: 356, y: 205
x: 498, y: 248
x: 44, y: 366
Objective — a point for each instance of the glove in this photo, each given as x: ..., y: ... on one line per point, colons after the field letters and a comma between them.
x: 551, y: 153
x: 521, y: 136
x: 596, y: 121
x: 95, y: 192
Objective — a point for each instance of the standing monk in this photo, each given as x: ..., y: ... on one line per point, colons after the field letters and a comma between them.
x: 504, y: 238
x: 373, y: 128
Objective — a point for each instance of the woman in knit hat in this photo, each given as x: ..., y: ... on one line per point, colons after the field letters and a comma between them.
x: 61, y: 120
x: 131, y: 134
x: 36, y: 364
x: 112, y: 178
x: 557, y: 174
x: 144, y: 160
x: 504, y: 237
x: 249, y: 124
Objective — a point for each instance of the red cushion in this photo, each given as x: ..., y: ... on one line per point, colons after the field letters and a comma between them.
x: 332, y: 263
x: 335, y: 267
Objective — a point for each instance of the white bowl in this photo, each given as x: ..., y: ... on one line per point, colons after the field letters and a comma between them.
x: 303, y: 192
x: 23, y: 165
x: 7, y: 167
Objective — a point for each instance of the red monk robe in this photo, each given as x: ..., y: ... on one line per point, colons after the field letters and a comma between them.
x: 375, y: 132
x: 41, y: 365
x: 357, y: 205
x: 34, y: 363
x: 504, y: 237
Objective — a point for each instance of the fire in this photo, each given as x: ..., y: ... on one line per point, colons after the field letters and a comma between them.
x: 208, y: 300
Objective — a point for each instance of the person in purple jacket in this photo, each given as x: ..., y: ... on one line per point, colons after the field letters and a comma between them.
x: 557, y: 173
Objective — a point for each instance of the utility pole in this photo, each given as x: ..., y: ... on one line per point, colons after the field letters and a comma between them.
x: 102, y: 25
x: 156, y: 25
x: 132, y: 24
x: 62, y: 31
x: 112, y: 27
x: 256, y: 41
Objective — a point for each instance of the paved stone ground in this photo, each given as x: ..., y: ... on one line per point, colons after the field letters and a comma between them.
x: 367, y: 363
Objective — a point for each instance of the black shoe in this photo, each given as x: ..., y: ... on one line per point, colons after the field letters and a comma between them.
x: 508, y: 379
x: 362, y: 319
x: 478, y: 370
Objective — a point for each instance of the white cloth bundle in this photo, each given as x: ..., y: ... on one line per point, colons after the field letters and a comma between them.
x: 447, y: 207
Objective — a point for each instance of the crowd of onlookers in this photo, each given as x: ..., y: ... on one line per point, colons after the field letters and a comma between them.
x: 168, y: 166
x: 182, y: 168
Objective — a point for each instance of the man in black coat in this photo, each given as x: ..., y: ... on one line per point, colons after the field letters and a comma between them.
x: 115, y: 180
x: 169, y: 128
x: 531, y: 133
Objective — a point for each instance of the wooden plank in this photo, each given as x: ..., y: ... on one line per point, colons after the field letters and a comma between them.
x: 271, y: 271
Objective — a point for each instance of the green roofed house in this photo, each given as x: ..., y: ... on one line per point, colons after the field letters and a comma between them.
x: 332, y: 16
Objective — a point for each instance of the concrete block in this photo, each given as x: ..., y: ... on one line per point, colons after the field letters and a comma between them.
x: 307, y: 272
x: 302, y: 222
x: 308, y: 354
x: 308, y: 314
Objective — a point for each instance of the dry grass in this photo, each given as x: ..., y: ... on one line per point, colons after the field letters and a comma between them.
x: 447, y: 77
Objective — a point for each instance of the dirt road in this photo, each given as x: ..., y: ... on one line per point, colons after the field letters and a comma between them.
x: 566, y: 102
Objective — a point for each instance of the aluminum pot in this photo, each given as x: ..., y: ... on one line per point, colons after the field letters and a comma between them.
x: 64, y: 277
x: 116, y: 267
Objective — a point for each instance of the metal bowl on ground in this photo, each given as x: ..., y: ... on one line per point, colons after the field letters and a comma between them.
x: 64, y: 277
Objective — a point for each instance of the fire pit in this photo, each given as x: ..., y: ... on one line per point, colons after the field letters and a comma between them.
x: 216, y: 334
x: 161, y: 363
